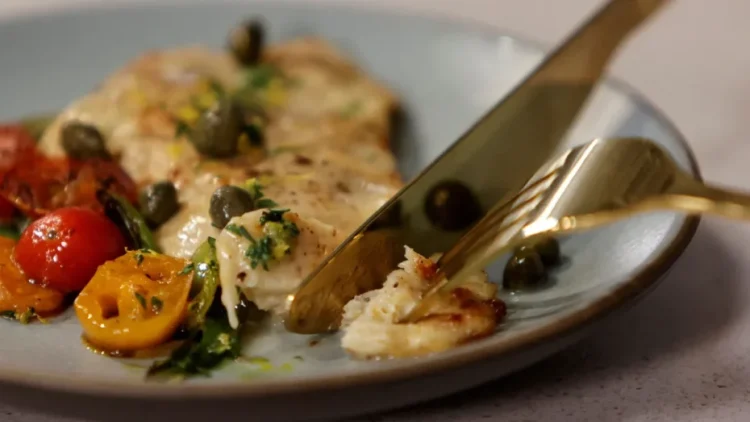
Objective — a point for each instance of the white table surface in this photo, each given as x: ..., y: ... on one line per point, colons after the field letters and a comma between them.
x: 689, y: 359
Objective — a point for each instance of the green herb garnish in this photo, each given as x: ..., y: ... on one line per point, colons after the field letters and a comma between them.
x: 156, y: 304
x: 8, y: 314
x: 10, y: 232
x: 288, y: 229
x: 24, y: 317
x: 14, y: 228
x: 272, y: 215
x: 141, y: 299
x: 239, y: 231
x: 187, y: 269
x: 274, y: 244
x: 265, y: 203
x: 260, y: 252
x: 27, y: 316
x: 204, y: 351
x: 256, y: 193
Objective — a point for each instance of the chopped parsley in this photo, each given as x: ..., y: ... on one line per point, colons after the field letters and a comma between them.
x: 256, y: 193
x: 265, y: 203
x: 287, y: 230
x: 141, y: 299
x: 273, y: 215
x: 274, y: 244
x: 239, y: 231
x: 206, y: 349
x: 210, y: 341
x: 187, y: 269
x: 156, y: 304
x: 139, y: 255
x: 260, y: 252
x: 24, y: 317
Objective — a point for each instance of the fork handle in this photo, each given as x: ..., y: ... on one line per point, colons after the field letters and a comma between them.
x: 697, y: 197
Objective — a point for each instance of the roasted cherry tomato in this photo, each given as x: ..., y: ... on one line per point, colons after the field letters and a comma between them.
x: 45, y: 184
x: 134, y: 302
x: 19, y: 297
x: 16, y: 146
x: 37, y: 184
x: 63, y: 249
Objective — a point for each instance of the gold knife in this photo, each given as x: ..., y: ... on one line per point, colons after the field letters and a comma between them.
x: 484, y: 168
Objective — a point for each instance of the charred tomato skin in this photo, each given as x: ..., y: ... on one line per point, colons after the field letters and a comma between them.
x: 63, y: 249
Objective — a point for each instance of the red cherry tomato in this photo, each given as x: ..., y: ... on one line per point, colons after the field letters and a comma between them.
x: 37, y: 184
x: 44, y: 184
x: 63, y: 249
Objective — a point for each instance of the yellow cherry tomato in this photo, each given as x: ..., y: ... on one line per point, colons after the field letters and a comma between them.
x: 18, y: 297
x: 135, y: 302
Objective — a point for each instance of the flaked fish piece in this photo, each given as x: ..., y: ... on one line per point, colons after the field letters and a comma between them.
x: 268, y: 283
x: 370, y: 320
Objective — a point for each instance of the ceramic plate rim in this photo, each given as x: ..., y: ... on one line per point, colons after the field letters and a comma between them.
x: 648, y: 277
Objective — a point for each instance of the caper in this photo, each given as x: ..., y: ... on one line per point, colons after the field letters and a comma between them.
x: 158, y: 203
x: 228, y: 202
x: 82, y: 142
x: 246, y: 42
x: 218, y: 130
x: 524, y: 270
x: 549, y: 250
x: 452, y: 206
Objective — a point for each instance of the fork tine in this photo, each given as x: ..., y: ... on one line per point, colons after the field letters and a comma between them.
x: 496, y: 221
x: 491, y: 228
x: 497, y: 214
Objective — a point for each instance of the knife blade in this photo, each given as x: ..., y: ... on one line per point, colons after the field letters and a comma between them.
x: 486, y: 166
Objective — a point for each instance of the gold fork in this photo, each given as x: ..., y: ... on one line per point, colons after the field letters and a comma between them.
x: 589, y: 186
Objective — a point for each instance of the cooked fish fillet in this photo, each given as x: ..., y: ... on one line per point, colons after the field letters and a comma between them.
x: 326, y: 135
x: 269, y: 288
x: 370, y: 320
x: 134, y: 109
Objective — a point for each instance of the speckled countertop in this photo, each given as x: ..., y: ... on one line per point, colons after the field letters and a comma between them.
x: 682, y: 354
